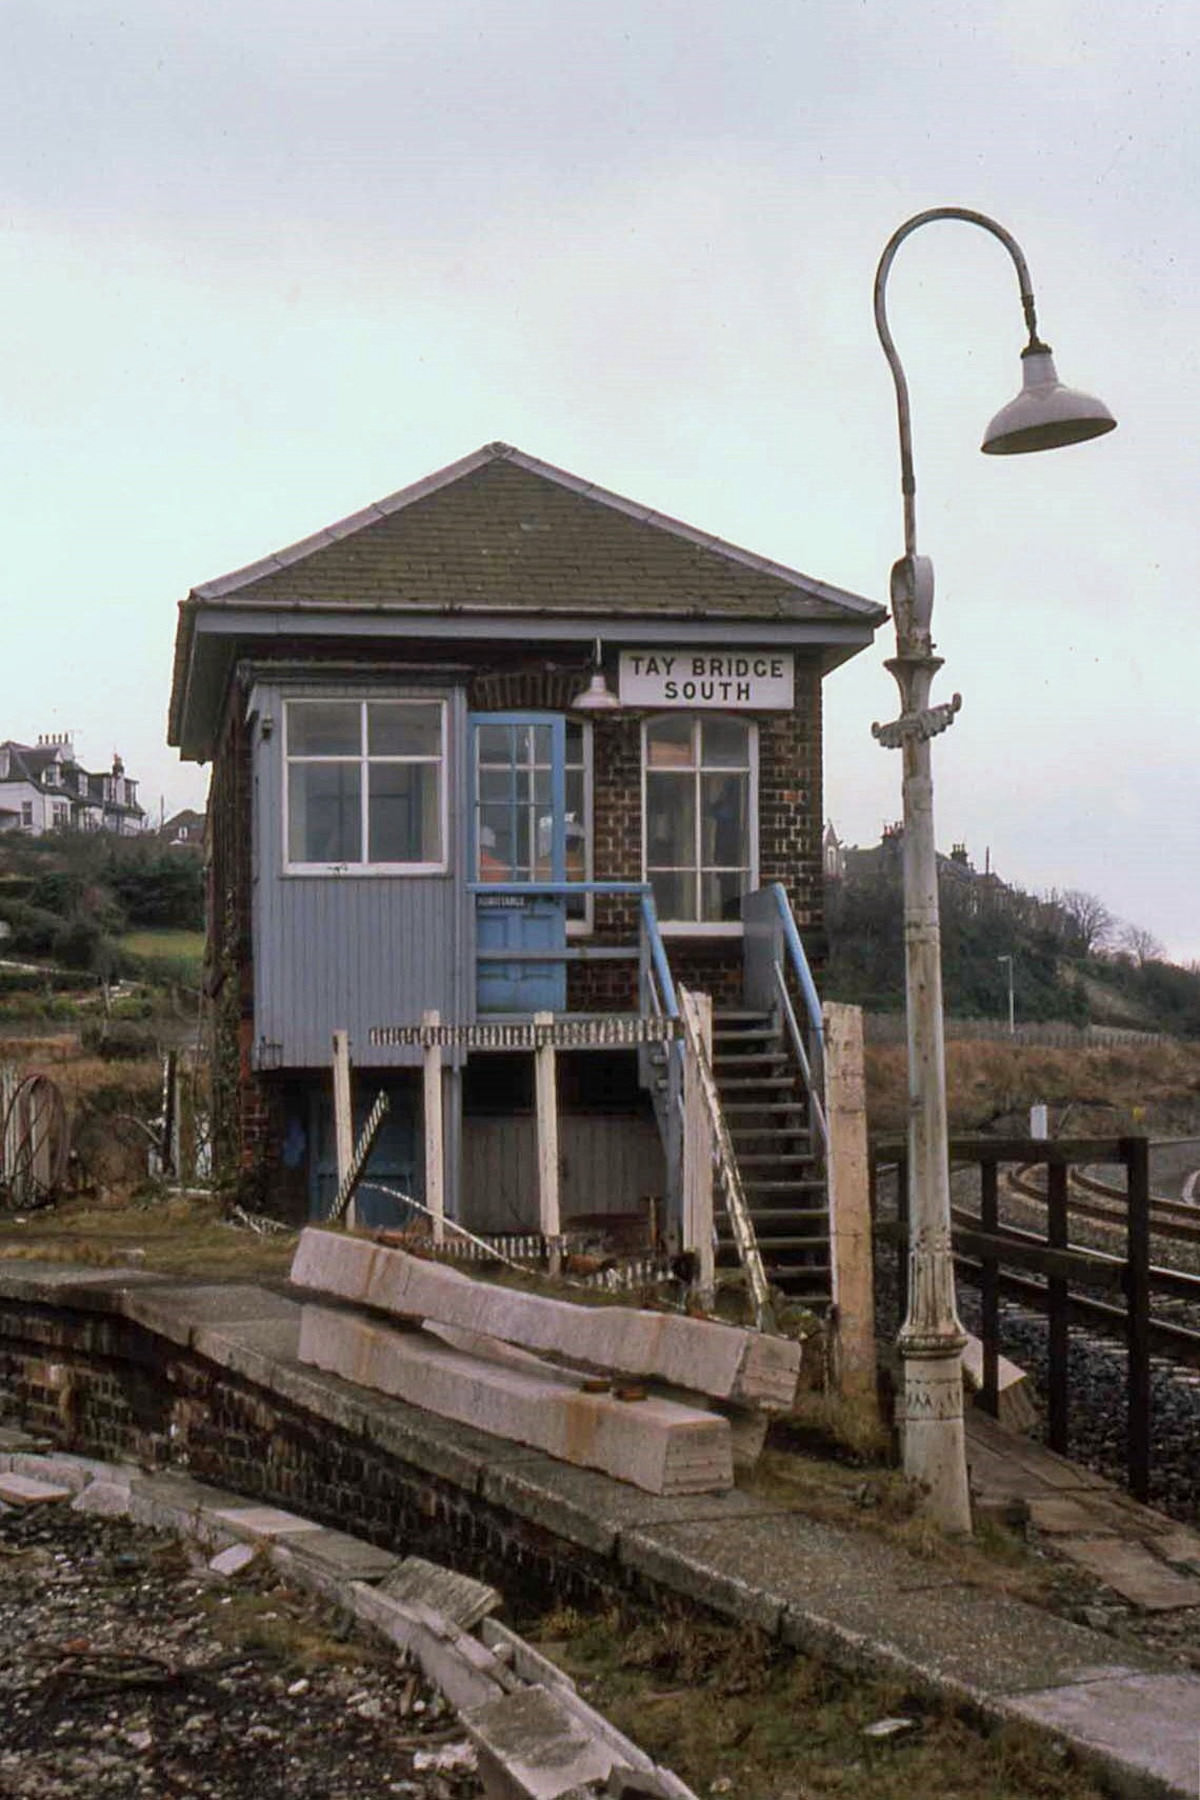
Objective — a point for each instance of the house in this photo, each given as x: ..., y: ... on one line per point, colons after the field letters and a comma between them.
x: 503, y: 744
x: 184, y: 831
x: 44, y: 788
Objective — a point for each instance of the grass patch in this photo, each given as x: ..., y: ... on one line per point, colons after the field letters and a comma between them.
x: 182, y: 1237
x: 733, y: 1712
x: 293, y: 1630
x: 173, y: 956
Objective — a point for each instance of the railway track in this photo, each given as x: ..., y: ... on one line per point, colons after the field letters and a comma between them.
x: 1103, y: 1202
x: 1174, y: 1326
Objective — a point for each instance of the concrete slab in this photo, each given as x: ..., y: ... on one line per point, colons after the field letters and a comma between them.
x: 441, y: 1447
x: 177, y: 1311
x: 532, y: 1747
x: 724, y: 1361
x: 468, y: 1673
x: 592, y: 1510
x: 59, y: 1467
x: 1178, y: 1546
x: 263, y: 1521
x: 54, y: 1284
x: 23, y: 1490
x: 328, y: 1558
x: 1031, y: 1463
x: 654, y: 1444
x: 459, y: 1598
x: 1059, y: 1515
x: 970, y: 1645
x: 1133, y: 1572
x: 250, y: 1348
x: 171, y: 1502
x: 755, y: 1570
x: 104, y: 1499
x: 1149, y: 1723
x: 232, y: 1561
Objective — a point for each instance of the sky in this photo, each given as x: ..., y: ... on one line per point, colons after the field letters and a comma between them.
x: 263, y: 264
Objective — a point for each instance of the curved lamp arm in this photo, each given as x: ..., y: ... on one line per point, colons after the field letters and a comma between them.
x: 908, y: 483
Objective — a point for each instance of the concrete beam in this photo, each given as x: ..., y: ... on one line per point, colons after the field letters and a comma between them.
x: 655, y: 1444
x: 723, y: 1361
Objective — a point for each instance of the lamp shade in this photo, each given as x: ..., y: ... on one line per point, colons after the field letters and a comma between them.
x: 596, y: 696
x: 1045, y: 414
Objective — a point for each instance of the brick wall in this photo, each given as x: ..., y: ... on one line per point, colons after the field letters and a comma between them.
x: 103, y: 1387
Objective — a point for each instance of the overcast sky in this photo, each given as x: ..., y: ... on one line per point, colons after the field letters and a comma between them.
x: 265, y: 263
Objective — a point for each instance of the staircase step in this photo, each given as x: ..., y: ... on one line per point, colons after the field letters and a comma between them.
x: 727, y: 1063
x: 776, y: 1189
x: 767, y: 1106
x: 764, y: 1217
x: 774, y: 1161
x: 762, y: 1084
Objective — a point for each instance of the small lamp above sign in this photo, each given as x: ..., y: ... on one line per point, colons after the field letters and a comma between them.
x: 596, y: 696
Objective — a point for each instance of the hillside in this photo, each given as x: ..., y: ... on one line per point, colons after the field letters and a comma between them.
x: 1070, y: 960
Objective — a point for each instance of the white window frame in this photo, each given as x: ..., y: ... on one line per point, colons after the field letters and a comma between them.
x: 724, y: 928
x: 364, y: 760
x: 583, y: 927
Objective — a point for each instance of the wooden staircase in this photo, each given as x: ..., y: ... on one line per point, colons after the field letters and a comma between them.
x: 767, y: 1111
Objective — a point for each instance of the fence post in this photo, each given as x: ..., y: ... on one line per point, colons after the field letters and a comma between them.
x: 546, y: 1084
x: 1056, y: 1306
x: 343, y: 1117
x: 1135, y: 1153
x: 989, y: 1289
x: 849, y: 1203
x: 698, y: 1151
x: 435, y: 1150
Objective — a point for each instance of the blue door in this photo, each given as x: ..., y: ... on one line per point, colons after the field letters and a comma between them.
x: 519, y: 838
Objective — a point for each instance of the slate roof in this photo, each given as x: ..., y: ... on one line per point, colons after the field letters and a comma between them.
x: 502, y: 533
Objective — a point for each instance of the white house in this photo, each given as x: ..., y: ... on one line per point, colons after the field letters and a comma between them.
x: 43, y: 788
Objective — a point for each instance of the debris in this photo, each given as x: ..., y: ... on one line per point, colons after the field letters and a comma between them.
x: 449, y: 1760
x: 234, y: 1559
x: 23, y: 1490
x: 459, y: 1598
x: 889, y: 1728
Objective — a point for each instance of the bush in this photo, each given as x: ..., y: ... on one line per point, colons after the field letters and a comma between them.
x: 33, y: 928
x: 118, y: 1040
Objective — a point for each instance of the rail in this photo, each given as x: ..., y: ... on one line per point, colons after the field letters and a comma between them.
x: 993, y: 1251
x: 773, y: 950
x: 725, y: 1165
x: 660, y: 1067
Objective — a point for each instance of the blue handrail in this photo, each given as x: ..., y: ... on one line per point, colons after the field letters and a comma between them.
x: 658, y: 954
x: 795, y: 949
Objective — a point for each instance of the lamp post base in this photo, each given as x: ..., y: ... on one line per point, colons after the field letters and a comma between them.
x: 929, y: 1415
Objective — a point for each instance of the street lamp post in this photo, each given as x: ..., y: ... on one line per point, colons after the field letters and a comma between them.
x: 1044, y: 416
x: 1012, y: 1013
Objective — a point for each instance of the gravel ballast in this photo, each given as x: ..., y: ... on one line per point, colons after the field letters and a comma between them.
x: 127, y: 1668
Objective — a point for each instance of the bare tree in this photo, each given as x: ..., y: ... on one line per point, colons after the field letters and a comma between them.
x: 1142, y: 945
x: 1088, y: 921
